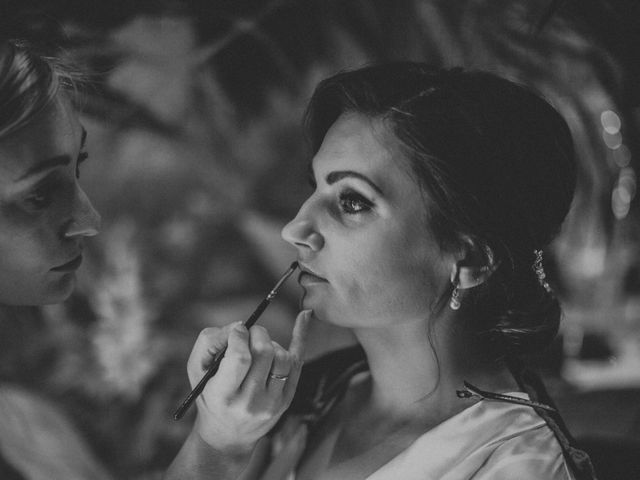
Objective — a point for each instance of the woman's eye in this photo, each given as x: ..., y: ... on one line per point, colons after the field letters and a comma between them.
x: 81, y: 158
x: 353, y: 203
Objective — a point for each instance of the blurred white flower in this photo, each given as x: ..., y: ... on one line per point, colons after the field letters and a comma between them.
x: 125, y: 346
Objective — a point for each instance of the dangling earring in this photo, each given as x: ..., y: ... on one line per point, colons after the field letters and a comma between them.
x: 454, y: 303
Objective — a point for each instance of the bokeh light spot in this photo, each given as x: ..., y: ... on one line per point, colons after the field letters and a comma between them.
x: 613, y: 141
x: 610, y: 122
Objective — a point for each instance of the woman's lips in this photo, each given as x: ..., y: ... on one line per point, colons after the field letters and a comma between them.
x: 305, y: 279
x: 69, y: 266
x: 308, y: 277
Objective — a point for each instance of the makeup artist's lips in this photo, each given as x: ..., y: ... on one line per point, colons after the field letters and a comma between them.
x: 308, y: 276
x: 69, y: 266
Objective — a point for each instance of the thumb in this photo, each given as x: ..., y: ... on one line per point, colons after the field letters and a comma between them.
x: 299, y: 334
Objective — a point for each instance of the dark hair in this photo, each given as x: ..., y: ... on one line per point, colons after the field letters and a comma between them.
x: 498, y: 164
x: 29, y: 82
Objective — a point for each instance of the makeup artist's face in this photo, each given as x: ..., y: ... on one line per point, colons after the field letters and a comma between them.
x: 44, y: 214
x: 363, y: 235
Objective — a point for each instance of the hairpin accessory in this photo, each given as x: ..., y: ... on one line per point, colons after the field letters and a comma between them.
x: 454, y: 302
x: 539, y: 269
x: 473, y: 391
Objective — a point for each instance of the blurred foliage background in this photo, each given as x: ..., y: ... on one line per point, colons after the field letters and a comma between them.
x: 197, y: 159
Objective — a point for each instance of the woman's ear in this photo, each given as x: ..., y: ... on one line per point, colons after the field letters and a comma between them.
x: 475, y: 267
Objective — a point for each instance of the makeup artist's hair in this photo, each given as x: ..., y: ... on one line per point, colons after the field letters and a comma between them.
x: 29, y: 82
x: 496, y: 163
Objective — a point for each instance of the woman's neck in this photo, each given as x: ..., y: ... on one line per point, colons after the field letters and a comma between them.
x: 412, y: 367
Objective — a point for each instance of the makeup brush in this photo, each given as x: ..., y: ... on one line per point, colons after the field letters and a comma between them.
x: 211, y: 371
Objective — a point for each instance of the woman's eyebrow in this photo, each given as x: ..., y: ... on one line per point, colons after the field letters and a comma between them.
x: 336, y: 176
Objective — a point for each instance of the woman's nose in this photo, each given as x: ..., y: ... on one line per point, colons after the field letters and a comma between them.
x: 301, y: 232
x: 85, y: 221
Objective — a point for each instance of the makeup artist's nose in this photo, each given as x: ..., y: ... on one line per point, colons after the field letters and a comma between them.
x: 300, y: 232
x: 85, y: 220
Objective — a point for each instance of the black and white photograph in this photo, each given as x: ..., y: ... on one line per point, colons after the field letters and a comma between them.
x: 319, y: 240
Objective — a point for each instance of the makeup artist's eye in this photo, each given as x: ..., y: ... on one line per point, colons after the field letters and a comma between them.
x: 353, y: 203
x: 41, y: 197
x: 82, y: 156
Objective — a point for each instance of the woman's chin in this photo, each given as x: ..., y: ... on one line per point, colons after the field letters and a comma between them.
x: 48, y: 292
x: 60, y: 290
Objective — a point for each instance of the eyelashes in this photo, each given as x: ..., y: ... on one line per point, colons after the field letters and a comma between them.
x: 41, y: 198
x: 349, y: 201
x: 352, y: 203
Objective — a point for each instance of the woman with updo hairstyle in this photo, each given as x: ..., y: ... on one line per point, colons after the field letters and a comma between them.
x: 435, y: 194
x: 496, y: 165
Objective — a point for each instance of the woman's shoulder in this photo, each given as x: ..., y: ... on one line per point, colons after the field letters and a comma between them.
x: 530, y: 454
x: 513, y: 441
x: 31, y: 424
x: 488, y: 440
